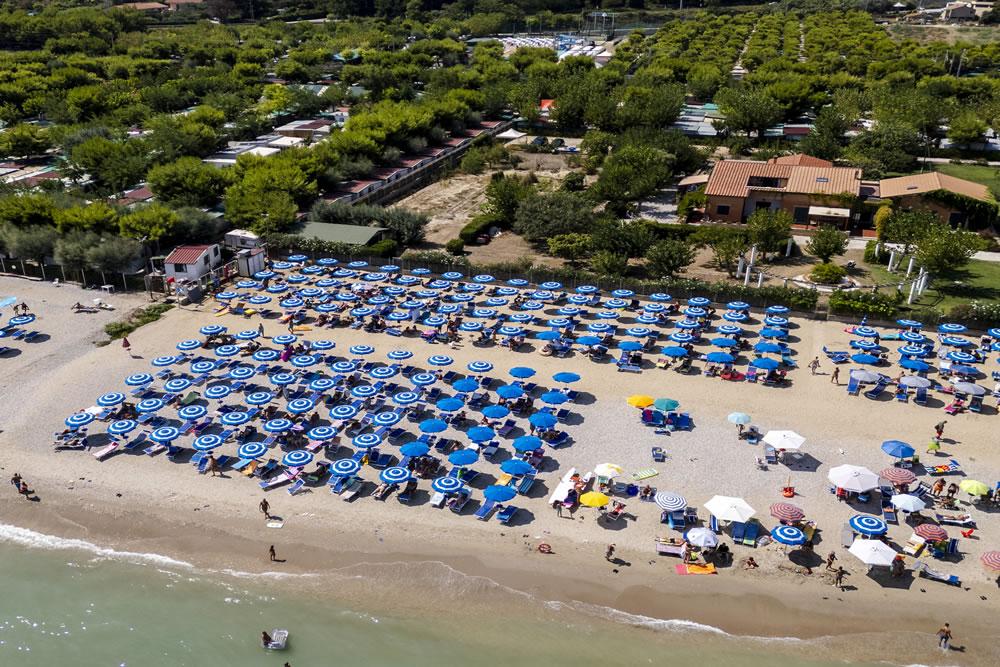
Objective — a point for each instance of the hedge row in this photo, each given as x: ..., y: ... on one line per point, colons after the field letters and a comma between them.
x: 870, y: 304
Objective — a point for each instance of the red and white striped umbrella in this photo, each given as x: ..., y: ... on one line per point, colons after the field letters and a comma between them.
x: 787, y: 512
x: 898, y: 475
x: 932, y: 532
x: 991, y: 559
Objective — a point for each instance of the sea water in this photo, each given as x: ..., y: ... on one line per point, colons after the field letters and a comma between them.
x: 73, y: 603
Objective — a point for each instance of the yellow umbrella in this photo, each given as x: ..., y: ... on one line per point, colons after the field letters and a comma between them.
x: 973, y: 487
x: 640, y: 401
x: 608, y: 470
x: 594, y: 499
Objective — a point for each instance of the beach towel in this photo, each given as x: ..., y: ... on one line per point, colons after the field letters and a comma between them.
x: 645, y: 473
x: 695, y: 569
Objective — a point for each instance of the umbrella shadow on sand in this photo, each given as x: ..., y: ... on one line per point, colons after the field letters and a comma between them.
x: 806, y: 558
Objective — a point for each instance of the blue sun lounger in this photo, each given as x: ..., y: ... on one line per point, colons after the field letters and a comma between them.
x: 505, y: 515
x: 737, y: 530
x: 485, y: 511
x: 750, y: 534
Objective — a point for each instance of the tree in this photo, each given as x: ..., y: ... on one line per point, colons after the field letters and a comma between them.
x: 95, y: 217
x: 151, y: 222
x: 827, y: 242
x: 727, y: 245
x: 942, y: 249
x: 545, y: 215
x: 631, y: 173
x: 573, y: 182
x: 187, y: 182
x: 609, y: 264
x: 71, y: 249
x: 196, y: 226
x: 112, y: 165
x: 668, y: 257
x: 32, y: 243
x: 750, y: 110
x: 24, y: 140
x: 826, y: 139
x: 260, y: 211
x: 571, y: 247
x: 768, y: 229
x: 907, y: 228
x: 114, y: 254
x: 887, y: 147
x: 27, y: 210
x: 504, y: 195
x: 966, y: 128
x: 703, y: 80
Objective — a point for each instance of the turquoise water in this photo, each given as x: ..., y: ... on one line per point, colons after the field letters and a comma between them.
x: 81, y: 606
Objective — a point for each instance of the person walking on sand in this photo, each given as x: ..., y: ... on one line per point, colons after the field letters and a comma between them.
x: 814, y: 365
x: 939, y: 428
x: 838, y: 578
x: 272, y: 553
x: 213, y: 465
x: 609, y: 552
x: 830, y: 559
x: 265, y: 508
x: 938, y: 488
x: 944, y: 637
x: 835, y: 377
x: 127, y: 346
x: 16, y: 481
x: 260, y: 328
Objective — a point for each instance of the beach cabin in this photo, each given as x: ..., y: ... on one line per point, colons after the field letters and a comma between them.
x: 191, y: 262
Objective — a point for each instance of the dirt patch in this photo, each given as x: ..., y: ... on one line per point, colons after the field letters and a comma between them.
x: 450, y: 203
x: 508, y: 247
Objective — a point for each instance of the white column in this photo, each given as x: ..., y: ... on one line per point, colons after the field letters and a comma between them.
x: 909, y: 266
x: 913, y: 289
x: 760, y: 279
x: 892, y: 260
x: 746, y: 277
x: 788, y: 248
x: 739, y: 267
x: 753, y: 254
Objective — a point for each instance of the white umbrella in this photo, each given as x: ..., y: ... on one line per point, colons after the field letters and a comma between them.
x: 872, y: 552
x: 915, y: 381
x: 784, y: 439
x: 702, y: 537
x: 608, y: 470
x: 726, y: 508
x: 907, y: 502
x: 853, y: 478
x: 969, y: 388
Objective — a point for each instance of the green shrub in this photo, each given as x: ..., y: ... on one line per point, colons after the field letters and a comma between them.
x: 143, y: 316
x: 827, y: 273
x: 383, y: 248
x: 870, y: 257
x: 873, y: 304
x: 455, y: 246
x: 478, y: 226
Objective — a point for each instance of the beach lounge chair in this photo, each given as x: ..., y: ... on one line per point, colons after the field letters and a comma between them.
x: 490, y: 450
x: 876, y: 392
x: 485, y: 511
x: 525, y: 484
x: 288, y: 475
x: 296, y: 486
x: 929, y: 573
x: 617, y: 512
x: 658, y: 455
x: 105, y: 452
x: 914, y: 546
x: 836, y: 357
x: 770, y: 454
x: 976, y: 404
x: 713, y: 524
x: 750, y: 534
x: 853, y: 386
x: 665, y: 547
x: 751, y: 374
x: 506, y: 514
x: 352, y: 489
x: 691, y: 515
x: 405, y: 496
x: 920, y: 397
x: 459, y: 501
x: 437, y: 500
x: 889, y: 513
x: 682, y: 422
x: 846, y: 536
x: 737, y: 529
x: 676, y: 520
x: 382, y: 491
x: 964, y: 520
x: 955, y: 407
x: 952, y: 466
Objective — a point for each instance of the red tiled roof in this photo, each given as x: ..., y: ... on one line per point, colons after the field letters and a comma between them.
x: 917, y: 184
x: 730, y: 178
x: 358, y: 186
x: 490, y: 124
x: 186, y: 254
x: 383, y: 173
x: 801, y: 159
x: 410, y: 162
x: 455, y: 141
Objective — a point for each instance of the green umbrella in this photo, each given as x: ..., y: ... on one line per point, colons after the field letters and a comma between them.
x: 666, y: 404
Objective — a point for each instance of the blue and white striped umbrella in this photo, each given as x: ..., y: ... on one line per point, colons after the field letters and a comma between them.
x: 432, y: 426
x: 407, y: 280
x: 496, y: 302
x: 463, y: 457
x: 242, y: 373
x: 363, y: 391
x: 510, y: 331
x: 789, y: 535
x: 322, y: 345
x: 434, y: 321
x: 484, y: 312
x: 201, y: 367
x: 671, y: 502
x: 510, y: 391
x: 607, y: 315
x: 452, y: 275
x: 483, y: 278
x: 235, y: 418
x: 311, y: 293
x: 347, y: 296
x: 654, y: 308
x: 470, y: 296
x: 615, y: 303
x: 470, y: 326
x: 507, y: 291
x: 297, y: 458
x: 248, y: 334
x: 190, y: 344
x: 867, y: 524
x: 777, y: 310
x: 297, y: 278
x: 357, y: 264
x: 695, y: 312
x: 266, y: 273
x: 729, y: 329
x: 951, y: 328
x: 343, y: 412
x: 961, y: 357
x: 282, y: 266
x: 447, y: 485
x: 299, y: 405
x: 123, y: 426
x: 521, y: 318
x: 406, y: 398
x: 623, y: 294
x: 738, y: 305
x: 278, y: 425
x: 395, y: 475
x: 449, y: 308
x: 397, y: 316
x: 542, y: 295
x: 284, y: 339
x: 176, y: 385
x: 647, y: 319
x: 383, y: 372
x: 517, y: 282
x: 374, y: 277
x: 865, y: 332
x: 995, y: 333
x: 688, y: 325
x: 207, y: 442
x: 380, y: 300
x: 411, y: 305
x: 304, y: 361
x: 587, y: 289
x: 449, y: 404
x: 554, y: 397
x: 111, y: 399
x: 387, y: 418
x: 282, y: 379
x: 160, y: 362
x: 578, y: 299
x: 955, y: 341
x: 864, y: 345
x: 367, y: 440
x: 217, y: 391
x: 912, y: 351
x: 344, y: 366
x: 277, y: 288
x: 558, y: 322
x: 639, y: 332
x: 327, y: 261
x: 423, y: 379
x: 297, y: 258
x: 79, y: 419
x: 363, y: 311
x: 192, y: 412
x: 551, y: 285
x: 912, y: 337
x: 681, y: 337
x: 439, y: 284
x: 362, y: 349
x: 599, y: 327
x: 211, y: 329
x: 322, y: 384
x: 495, y: 411
x: 138, y: 379
x: 344, y: 467
x: 149, y: 405
x: 394, y: 291
x: 735, y: 316
x: 292, y: 302
x: 399, y: 355
x: 480, y: 434
x: 266, y: 355
x: 777, y: 321
x: 698, y: 302
x: 321, y: 433
x: 164, y: 434
x: 251, y: 450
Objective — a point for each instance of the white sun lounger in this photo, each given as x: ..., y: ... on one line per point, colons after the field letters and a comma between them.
x: 281, y: 478
x: 105, y: 452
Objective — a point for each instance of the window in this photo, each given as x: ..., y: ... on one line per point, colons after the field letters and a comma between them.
x: 180, y: 268
x: 215, y: 251
x: 206, y: 260
x: 800, y: 214
x: 763, y: 206
x: 822, y: 179
x: 722, y: 209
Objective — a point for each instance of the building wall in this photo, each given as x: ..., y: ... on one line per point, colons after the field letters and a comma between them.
x: 917, y: 202
x: 735, y: 204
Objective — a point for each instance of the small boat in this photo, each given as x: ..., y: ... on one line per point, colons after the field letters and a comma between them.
x: 279, y: 640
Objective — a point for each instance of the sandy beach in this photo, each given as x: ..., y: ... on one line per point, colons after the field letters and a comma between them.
x: 144, y: 504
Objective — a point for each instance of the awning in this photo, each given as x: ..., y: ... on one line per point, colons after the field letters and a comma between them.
x: 510, y: 134
x: 696, y: 179
x: 827, y: 212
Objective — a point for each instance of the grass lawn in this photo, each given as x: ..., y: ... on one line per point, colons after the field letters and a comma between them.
x: 988, y: 176
x: 976, y: 281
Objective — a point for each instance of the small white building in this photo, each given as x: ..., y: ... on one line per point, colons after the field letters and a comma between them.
x: 191, y: 262
x: 238, y: 239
